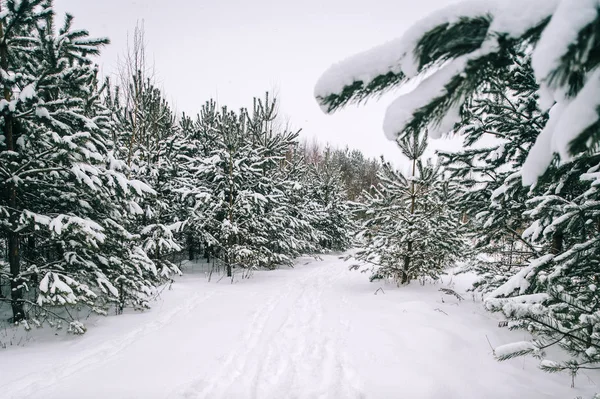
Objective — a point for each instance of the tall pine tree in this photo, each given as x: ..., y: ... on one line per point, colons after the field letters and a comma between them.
x: 65, y: 195
x: 410, y: 228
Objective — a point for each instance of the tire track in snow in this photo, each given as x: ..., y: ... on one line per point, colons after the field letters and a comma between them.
x: 290, y: 346
x: 237, y: 358
x: 301, y: 346
x: 31, y: 384
x: 312, y: 346
x: 296, y: 358
x: 351, y: 386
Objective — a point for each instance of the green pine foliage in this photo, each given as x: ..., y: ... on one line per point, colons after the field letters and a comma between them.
x: 531, y: 84
x: 498, y: 126
x: 145, y: 134
x: 103, y: 187
x: 327, y: 202
x: 358, y: 173
x: 457, y: 48
x: 411, y: 228
x: 248, y: 192
x: 66, y: 198
x: 555, y: 296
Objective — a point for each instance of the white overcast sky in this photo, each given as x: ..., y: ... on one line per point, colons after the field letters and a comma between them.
x: 233, y: 50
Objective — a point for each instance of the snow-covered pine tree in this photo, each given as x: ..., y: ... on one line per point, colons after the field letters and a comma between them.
x: 252, y: 199
x: 151, y: 160
x: 64, y: 193
x: 284, y: 233
x: 19, y: 18
x: 147, y: 136
x: 302, y: 208
x: 458, y: 47
x: 242, y: 190
x: 498, y: 126
x: 555, y: 296
x: 200, y: 136
x: 216, y: 211
x: 409, y: 229
x: 455, y: 50
x: 327, y: 200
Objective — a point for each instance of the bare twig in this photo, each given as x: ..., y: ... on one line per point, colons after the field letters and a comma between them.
x: 490, y: 344
x: 448, y: 291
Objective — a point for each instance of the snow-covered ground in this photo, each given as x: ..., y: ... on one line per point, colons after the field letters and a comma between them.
x: 315, y: 331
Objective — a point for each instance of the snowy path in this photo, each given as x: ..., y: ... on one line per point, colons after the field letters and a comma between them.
x: 315, y: 331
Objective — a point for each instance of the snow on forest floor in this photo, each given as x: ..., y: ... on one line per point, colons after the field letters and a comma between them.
x: 315, y: 331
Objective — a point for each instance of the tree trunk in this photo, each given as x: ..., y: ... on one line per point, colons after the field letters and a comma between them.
x: 230, y: 239
x: 406, y: 265
x: 16, y: 290
x: 405, y: 278
x: 557, y: 242
x: 228, y: 267
x: 11, y: 196
x: 190, y: 247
